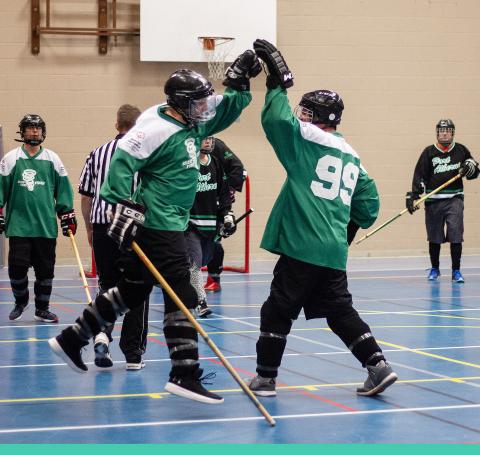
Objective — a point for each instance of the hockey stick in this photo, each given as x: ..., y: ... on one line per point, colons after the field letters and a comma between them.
x: 240, y: 218
x: 80, y: 266
x: 200, y: 330
x: 415, y: 204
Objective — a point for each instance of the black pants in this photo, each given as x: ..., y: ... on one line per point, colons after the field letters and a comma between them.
x: 133, y: 338
x: 36, y: 252
x: 321, y: 292
x: 168, y: 252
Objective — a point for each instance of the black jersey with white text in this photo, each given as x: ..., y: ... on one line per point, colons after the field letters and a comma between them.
x: 435, y: 167
x: 212, y: 200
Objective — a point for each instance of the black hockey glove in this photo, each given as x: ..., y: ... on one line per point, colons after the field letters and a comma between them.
x: 68, y: 222
x: 238, y: 74
x: 469, y: 169
x: 278, y: 72
x: 410, y: 198
x: 128, y: 216
x: 229, y: 226
x: 2, y: 222
x: 231, y: 193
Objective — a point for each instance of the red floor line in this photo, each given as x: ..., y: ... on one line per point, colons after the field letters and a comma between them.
x: 300, y: 392
x: 153, y: 340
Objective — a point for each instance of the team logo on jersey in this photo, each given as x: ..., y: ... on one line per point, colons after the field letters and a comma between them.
x: 191, y: 149
x: 443, y: 165
x: 28, y: 179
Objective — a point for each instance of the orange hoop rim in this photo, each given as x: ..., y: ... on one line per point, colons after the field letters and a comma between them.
x: 210, y: 42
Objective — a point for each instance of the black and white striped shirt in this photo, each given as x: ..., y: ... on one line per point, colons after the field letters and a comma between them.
x: 93, y: 175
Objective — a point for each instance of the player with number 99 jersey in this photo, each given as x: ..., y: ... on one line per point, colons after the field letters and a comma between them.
x: 325, y: 188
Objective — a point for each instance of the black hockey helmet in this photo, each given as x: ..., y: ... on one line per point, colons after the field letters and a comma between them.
x: 321, y: 106
x: 31, y: 120
x: 191, y: 95
x: 445, y: 124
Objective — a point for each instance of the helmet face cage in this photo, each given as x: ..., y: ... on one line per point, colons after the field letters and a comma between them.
x: 208, y: 144
x: 32, y: 120
x: 445, y: 126
x: 304, y: 114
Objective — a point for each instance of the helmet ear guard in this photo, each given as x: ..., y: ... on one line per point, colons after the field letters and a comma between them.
x: 31, y: 120
x: 321, y: 106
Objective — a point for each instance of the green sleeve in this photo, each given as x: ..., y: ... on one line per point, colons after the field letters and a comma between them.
x: 5, y: 184
x: 63, y: 194
x: 281, y: 126
x: 365, y: 201
x: 229, y: 109
x: 118, y: 183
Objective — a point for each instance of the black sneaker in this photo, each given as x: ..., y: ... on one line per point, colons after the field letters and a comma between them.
x: 17, y: 312
x: 134, y: 363
x: 191, y: 387
x: 68, y: 347
x: 203, y: 310
x: 45, y: 316
x: 379, y: 378
x: 103, y: 359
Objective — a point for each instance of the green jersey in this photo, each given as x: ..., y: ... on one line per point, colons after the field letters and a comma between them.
x: 165, y: 154
x: 34, y: 189
x: 326, y: 187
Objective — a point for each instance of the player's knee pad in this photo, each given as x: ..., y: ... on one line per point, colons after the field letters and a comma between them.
x: 273, y: 319
x: 129, y: 293
x: 17, y: 272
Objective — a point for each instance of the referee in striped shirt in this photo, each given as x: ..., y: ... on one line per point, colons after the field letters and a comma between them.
x: 95, y: 211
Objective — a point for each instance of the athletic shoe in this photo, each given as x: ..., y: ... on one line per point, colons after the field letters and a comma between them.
x: 68, y: 347
x: 379, y: 378
x: 134, y: 363
x: 17, y: 312
x: 457, y: 276
x: 45, y: 316
x: 263, y: 387
x: 203, y: 310
x: 191, y: 387
x: 434, y: 274
x: 212, y: 285
x: 103, y: 359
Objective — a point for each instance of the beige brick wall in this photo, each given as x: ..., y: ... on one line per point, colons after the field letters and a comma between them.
x: 399, y: 65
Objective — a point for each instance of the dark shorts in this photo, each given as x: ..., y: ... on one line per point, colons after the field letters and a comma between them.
x: 444, y: 213
x: 320, y: 291
x: 38, y: 252
x: 200, y: 249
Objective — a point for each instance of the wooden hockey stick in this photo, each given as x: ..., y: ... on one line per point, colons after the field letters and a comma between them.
x: 240, y: 218
x: 200, y: 330
x: 80, y: 266
x: 415, y: 204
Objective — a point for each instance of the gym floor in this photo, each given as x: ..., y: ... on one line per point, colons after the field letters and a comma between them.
x: 429, y: 332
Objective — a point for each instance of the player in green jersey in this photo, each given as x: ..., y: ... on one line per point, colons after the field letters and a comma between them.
x: 326, y: 197
x: 35, y: 189
x: 163, y: 148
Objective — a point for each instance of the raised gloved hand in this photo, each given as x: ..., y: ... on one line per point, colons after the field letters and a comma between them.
x: 229, y: 226
x: 2, y: 222
x: 238, y: 74
x: 123, y: 228
x: 410, y: 198
x: 468, y: 168
x: 279, y: 74
x: 68, y: 222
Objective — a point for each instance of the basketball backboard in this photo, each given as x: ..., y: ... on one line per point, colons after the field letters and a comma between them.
x: 169, y: 31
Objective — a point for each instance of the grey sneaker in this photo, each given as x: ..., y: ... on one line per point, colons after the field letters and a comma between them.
x: 203, y: 310
x: 263, y: 387
x: 379, y: 378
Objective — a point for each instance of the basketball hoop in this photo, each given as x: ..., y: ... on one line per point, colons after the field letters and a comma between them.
x: 216, y: 50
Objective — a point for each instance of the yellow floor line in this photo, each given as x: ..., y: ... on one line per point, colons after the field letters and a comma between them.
x: 158, y: 395
x: 428, y: 354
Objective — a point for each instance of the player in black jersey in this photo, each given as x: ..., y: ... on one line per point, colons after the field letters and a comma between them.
x: 211, y: 211
x: 437, y: 164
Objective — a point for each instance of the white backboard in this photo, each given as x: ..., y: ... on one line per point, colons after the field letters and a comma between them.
x: 169, y: 30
